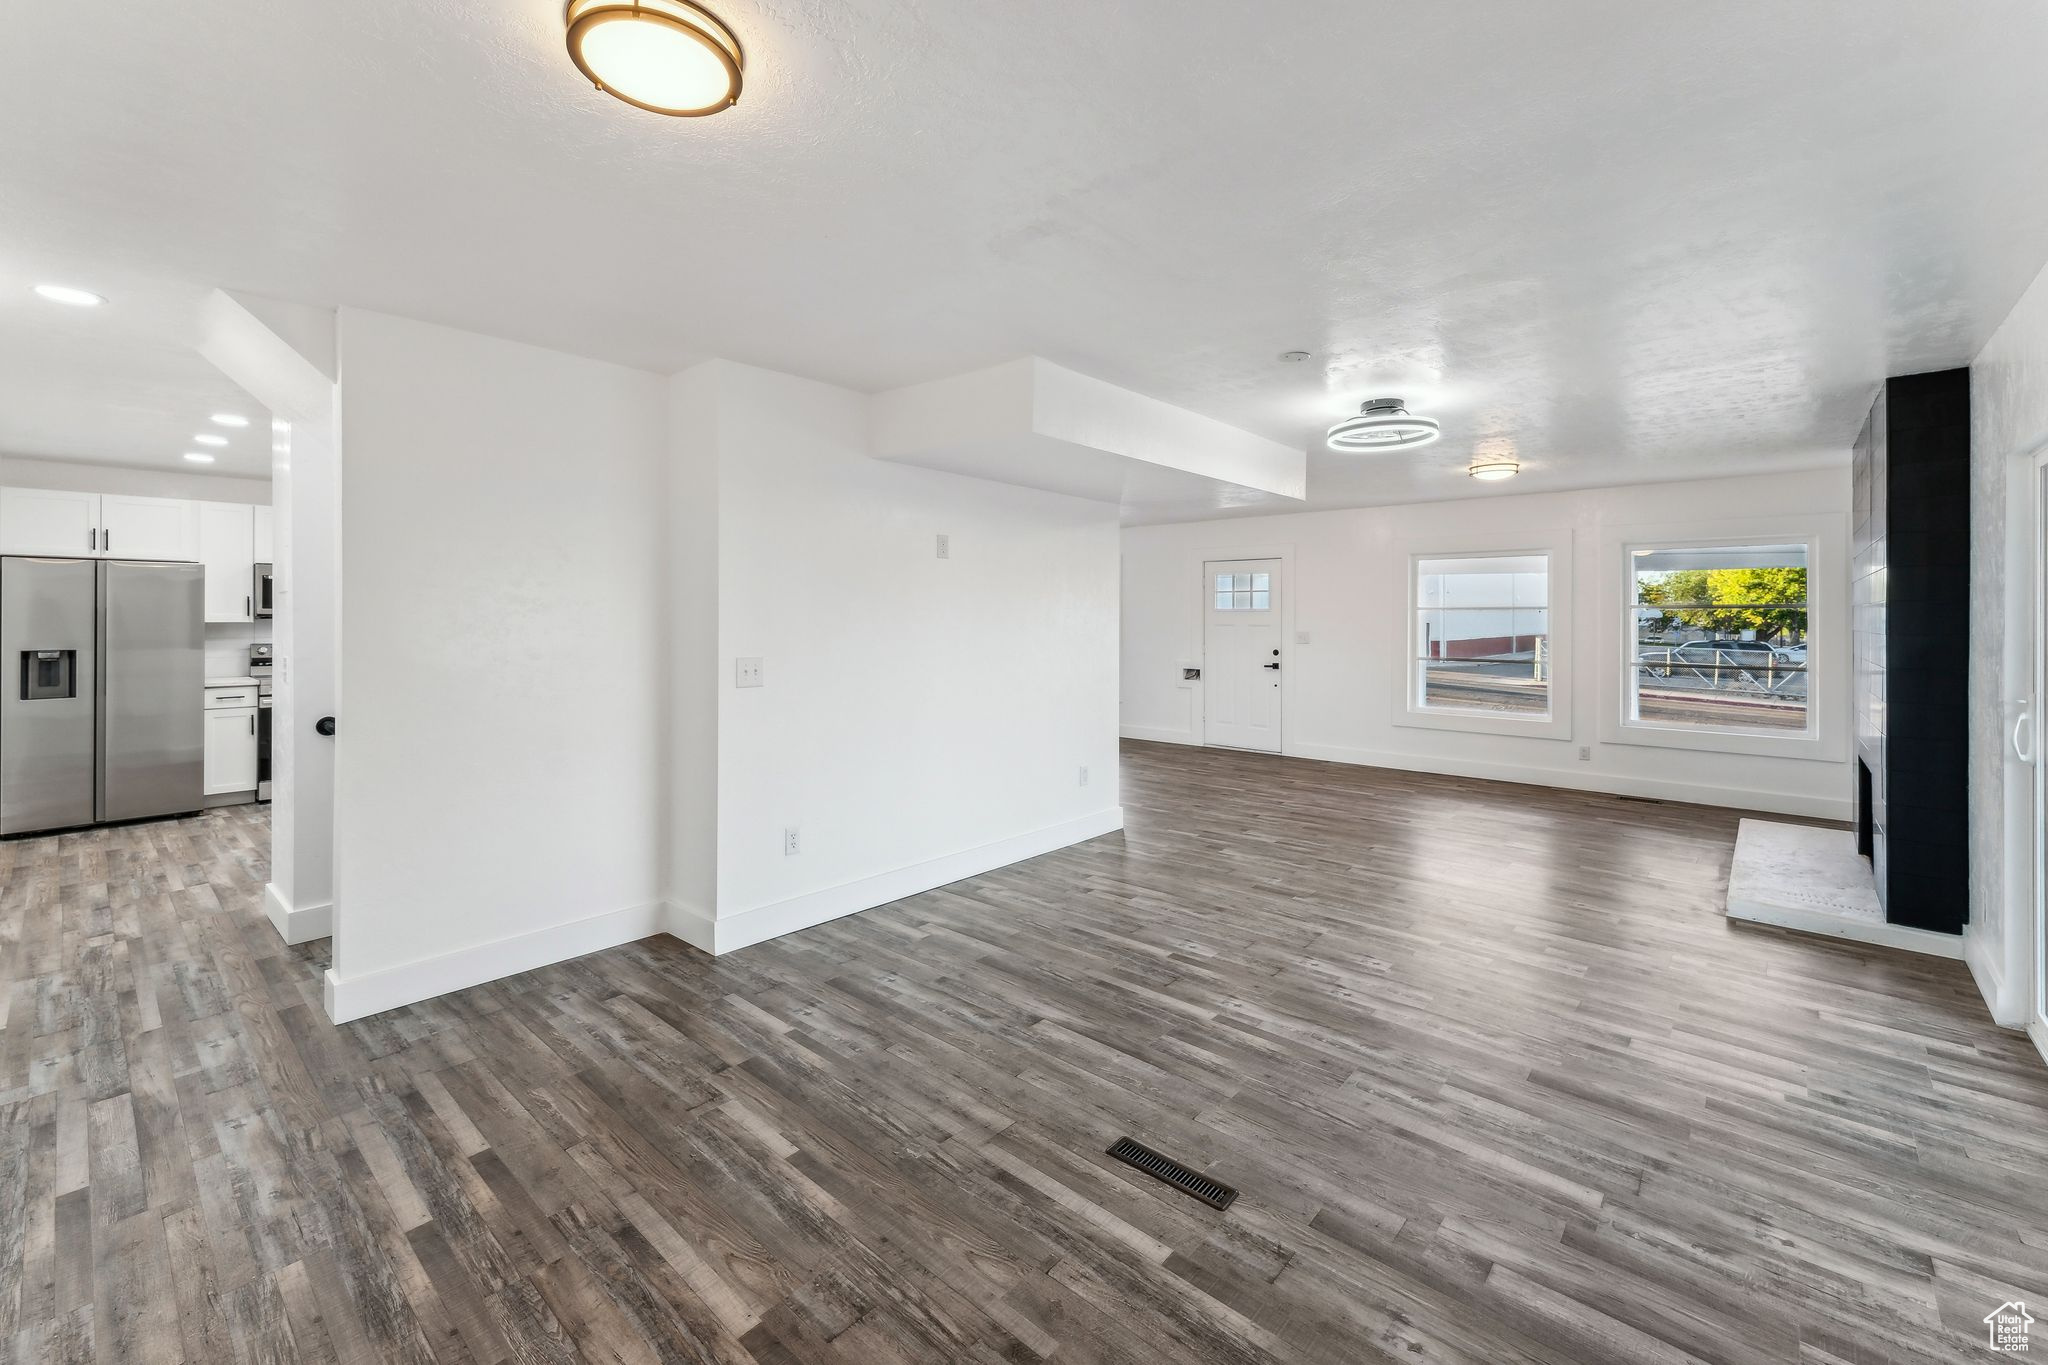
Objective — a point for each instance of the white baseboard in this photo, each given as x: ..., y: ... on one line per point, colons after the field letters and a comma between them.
x: 355, y: 997
x: 742, y: 928
x: 692, y: 924
x: 1160, y: 736
x: 2006, y: 1006
x: 297, y: 924
x: 2040, y: 1037
x: 1838, y: 926
x: 1611, y: 784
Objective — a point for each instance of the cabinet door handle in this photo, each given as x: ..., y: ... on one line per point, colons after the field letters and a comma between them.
x: 245, y: 605
x: 252, y: 724
x: 106, y: 539
x: 92, y: 538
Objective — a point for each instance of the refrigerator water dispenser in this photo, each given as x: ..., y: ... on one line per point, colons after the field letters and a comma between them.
x: 49, y: 674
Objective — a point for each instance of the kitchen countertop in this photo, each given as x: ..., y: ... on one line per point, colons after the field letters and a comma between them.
x: 231, y: 682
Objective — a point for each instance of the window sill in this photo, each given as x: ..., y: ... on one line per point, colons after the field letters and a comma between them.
x: 1552, y: 726
x: 1810, y: 746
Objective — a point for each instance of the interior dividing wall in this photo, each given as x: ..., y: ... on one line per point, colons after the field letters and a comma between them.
x: 1344, y: 687
x: 2009, y: 427
x: 550, y: 568
x: 921, y: 718
x: 499, y: 770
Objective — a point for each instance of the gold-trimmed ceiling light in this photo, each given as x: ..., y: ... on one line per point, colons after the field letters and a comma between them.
x: 665, y: 56
x: 1490, y: 471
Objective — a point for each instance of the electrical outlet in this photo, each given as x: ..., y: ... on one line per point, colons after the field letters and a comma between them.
x: 749, y: 673
x: 945, y: 547
x: 1585, y: 753
x: 1084, y: 777
x: 791, y: 844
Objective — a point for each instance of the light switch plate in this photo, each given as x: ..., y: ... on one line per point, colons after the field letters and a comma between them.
x: 749, y: 673
x: 945, y: 547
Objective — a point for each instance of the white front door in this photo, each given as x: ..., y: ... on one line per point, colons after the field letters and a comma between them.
x: 1241, y: 654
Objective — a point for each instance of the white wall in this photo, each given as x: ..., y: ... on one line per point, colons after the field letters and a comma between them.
x: 499, y: 770
x: 283, y: 355
x: 2008, y: 426
x: 1346, y: 580
x: 923, y: 719
x: 18, y: 471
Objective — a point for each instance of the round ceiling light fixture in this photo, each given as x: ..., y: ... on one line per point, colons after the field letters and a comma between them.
x: 1492, y: 470
x: 1383, y: 424
x: 665, y: 56
x: 1293, y: 357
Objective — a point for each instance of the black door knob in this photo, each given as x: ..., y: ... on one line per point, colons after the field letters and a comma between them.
x: 324, y: 725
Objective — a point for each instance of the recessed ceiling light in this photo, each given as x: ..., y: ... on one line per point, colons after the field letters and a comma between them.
x: 207, y: 438
x: 64, y: 293
x: 1383, y: 424
x: 665, y: 56
x: 198, y: 457
x: 230, y: 419
x: 1491, y: 470
x: 1294, y: 357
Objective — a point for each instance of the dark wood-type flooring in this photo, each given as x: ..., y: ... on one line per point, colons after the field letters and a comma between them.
x: 1495, y: 1078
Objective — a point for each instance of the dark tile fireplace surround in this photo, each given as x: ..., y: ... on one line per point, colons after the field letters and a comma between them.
x: 1910, y: 644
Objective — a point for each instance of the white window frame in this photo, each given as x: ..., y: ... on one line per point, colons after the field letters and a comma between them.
x: 1827, y: 628
x: 1556, y: 546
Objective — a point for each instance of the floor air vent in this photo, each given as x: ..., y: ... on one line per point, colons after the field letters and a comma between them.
x: 1162, y: 1167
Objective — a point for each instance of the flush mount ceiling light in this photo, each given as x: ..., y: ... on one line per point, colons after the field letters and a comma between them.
x: 197, y: 457
x: 1491, y: 470
x: 1294, y: 357
x: 665, y: 56
x: 64, y: 293
x: 230, y: 419
x: 1383, y: 424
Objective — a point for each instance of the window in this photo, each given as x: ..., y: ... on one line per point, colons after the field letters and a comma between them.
x: 1481, y: 638
x: 1242, y: 592
x: 1718, y: 639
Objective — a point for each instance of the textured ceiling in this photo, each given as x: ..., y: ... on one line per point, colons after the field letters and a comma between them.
x: 1630, y: 241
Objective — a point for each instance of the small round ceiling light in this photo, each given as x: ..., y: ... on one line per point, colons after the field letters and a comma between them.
x: 1492, y: 471
x: 665, y: 56
x: 198, y: 457
x: 1383, y: 424
x: 64, y: 293
x: 1294, y: 357
x: 230, y: 419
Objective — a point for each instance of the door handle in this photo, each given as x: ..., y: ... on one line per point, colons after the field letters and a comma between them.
x: 252, y: 722
x: 1274, y: 667
x: 2026, y: 723
x: 324, y: 725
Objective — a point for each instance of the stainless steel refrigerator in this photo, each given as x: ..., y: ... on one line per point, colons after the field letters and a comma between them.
x: 102, y: 690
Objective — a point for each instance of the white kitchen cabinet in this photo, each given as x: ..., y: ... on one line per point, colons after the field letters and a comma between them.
x: 227, y: 541
x: 230, y: 750
x: 266, y: 545
x: 45, y: 521
x: 148, y: 528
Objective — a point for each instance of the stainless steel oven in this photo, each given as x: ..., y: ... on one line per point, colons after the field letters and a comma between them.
x: 260, y: 661
x: 262, y: 590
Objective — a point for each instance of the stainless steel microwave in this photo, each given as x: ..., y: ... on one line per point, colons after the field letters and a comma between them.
x: 262, y: 590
